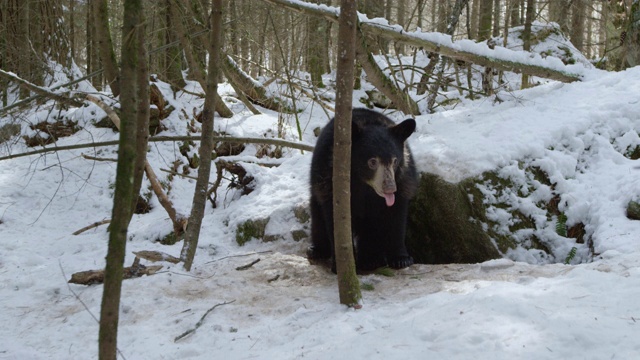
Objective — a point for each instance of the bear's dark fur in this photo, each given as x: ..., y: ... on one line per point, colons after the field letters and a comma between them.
x: 383, y: 180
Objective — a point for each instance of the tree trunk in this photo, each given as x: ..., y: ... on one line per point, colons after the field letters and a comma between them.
x: 348, y: 284
x: 142, y: 126
x: 631, y: 41
x: 316, y: 49
x: 107, y: 54
x: 452, y: 24
x: 559, y: 13
x: 23, y: 50
x: 578, y: 15
x: 485, y: 22
x: 172, y: 55
x: 526, y: 37
x: 123, y: 195
x: 206, y: 144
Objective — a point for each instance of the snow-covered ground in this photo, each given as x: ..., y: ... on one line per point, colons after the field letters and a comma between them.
x: 284, y: 308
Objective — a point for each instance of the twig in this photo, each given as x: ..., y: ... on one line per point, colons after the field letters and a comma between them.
x: 94, y: 225
x: 88, y: 157
x: 199, y: 323
x: 245, y: 267
x: 241, y: 255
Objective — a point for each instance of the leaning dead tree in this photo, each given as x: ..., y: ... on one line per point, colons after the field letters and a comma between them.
x: 499, y: 58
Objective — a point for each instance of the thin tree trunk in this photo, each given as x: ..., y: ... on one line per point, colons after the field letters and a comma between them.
x: 109, y: 314
x: 142, y: 131
x: 23, y: 58
x: 451, y: 27
x: 172, y: 55
x: 526, y: 37
x: 348, y: 284
x: 578, y: 14
x: 485, y: 23
x: 107, y: 54
x: 206, y: 145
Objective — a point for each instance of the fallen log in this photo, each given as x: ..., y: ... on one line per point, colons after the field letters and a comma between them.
x: 91, y: 277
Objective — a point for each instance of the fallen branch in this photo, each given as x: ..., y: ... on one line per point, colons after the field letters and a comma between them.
x: 40, y: 90
x: 179, y: 221
x: 499, y: 60
x: 200, y: 322
x: 155, y: 256
x: 94, y: 158
x: 37, y: 96
x: 246, y: 140
x: 241, y: 255
x: 91, y: 277
x: 92, y: 226
x: 245, y: 267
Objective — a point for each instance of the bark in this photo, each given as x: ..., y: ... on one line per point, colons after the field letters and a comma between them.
x: 142, y: 127
x: 316, y: 49
x: 348, y: 284
x: 578, y: 15
x: 632, y: 39
x: 485, y: 23
x: 444, y: 49
x: 172, y: 55
x: 206, y: 145
x: 526, y: 38
x: 23, y: 58
x: 105, y: 44
x: 123, y: 196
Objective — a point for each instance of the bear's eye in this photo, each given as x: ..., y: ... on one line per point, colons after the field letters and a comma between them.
x: 394, y: 163
x: 373, y: 163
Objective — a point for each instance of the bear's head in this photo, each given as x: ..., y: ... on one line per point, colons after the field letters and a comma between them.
x: 380, y: 155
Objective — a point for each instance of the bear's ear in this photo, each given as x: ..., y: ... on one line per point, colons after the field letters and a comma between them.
x: 403, y: 130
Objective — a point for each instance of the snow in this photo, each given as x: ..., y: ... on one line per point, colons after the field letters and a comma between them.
x: 285, y: 308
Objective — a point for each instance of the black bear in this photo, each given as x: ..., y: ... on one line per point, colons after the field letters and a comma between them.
x: 383, y: 180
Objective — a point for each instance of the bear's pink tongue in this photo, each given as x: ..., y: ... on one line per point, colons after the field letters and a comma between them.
x: 390, y: 199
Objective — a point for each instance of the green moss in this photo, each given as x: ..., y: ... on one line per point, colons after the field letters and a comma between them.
x: 301, y: 213
x: 298, y: 235
x: 250, y: 229
x: 367, y: 287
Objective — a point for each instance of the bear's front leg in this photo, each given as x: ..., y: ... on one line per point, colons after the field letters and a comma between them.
x: 369, y: 240
x: 395, y: 248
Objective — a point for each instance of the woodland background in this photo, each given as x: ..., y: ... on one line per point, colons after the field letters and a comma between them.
x: 268, y: 41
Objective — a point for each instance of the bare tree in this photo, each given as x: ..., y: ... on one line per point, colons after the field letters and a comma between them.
x: 206, y: 144
x: 123, y: 195
x: 348, y: 284
x: 105, y: 44
x: 526, y: 37
x: 485, y: 22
